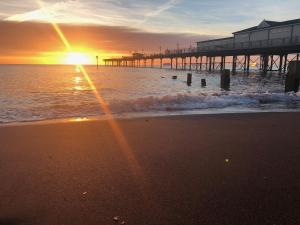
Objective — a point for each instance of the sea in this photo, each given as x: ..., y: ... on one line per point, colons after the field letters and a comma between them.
x: 31, y: 93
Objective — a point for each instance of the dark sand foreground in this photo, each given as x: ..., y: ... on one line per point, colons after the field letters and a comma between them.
x: 210, y: 169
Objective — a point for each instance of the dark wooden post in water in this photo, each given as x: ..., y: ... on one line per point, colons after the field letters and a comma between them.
x: 293, y: 77
x: 225, y: 79
x: 190, y: 63
x: 176, y: 63
x: 171, y: 63
x: 161, y: 63
x: 203, y: 82
x: 189, y: 79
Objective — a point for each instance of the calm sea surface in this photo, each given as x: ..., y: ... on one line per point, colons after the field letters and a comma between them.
x: 34, y: 92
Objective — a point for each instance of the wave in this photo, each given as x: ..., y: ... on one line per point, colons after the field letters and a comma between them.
x: 149, y: 104
x: 202, y: 101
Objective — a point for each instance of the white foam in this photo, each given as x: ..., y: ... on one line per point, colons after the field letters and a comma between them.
x: 202, y: 101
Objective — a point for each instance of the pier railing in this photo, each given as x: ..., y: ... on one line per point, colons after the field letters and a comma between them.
x: 279, y: 42
x: 252, y: 44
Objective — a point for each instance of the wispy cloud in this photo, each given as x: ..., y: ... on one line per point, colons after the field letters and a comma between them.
x: 192, y: 16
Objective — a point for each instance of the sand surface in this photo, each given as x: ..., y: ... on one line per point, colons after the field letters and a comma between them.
x: 234, y: 169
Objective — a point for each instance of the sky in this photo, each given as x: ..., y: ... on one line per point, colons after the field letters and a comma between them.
x: 118, y: 27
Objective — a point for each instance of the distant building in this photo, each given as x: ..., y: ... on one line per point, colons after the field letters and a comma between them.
x: 267, y: 33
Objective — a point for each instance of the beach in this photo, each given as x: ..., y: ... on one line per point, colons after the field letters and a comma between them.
x: 195, y: 169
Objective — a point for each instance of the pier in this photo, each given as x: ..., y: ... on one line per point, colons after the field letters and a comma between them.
x: 269, y: 46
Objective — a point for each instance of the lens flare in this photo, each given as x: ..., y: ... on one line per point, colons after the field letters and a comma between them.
x: 118, y: 133
x: 77, y: 58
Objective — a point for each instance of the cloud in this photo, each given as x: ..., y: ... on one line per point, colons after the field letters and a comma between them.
x: 31, y: 39
x: 160, y: 16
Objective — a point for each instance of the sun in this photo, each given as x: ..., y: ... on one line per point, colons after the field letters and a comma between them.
x: 77, y: 58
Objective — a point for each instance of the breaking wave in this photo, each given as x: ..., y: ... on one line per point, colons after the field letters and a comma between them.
x: 155, y: 104
x: 202, y: 101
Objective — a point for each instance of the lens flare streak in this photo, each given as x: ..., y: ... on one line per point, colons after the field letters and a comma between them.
x: 119, y: 135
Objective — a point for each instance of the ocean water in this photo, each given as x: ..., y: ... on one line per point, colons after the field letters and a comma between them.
x: 40, y: 92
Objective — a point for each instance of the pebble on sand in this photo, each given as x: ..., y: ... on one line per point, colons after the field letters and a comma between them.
x: 116, y: 218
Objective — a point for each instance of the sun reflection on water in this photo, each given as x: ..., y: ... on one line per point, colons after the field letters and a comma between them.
x: 79, y: 119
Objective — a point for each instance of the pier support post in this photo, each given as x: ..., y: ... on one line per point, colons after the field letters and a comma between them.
x: 213, y: 63
x: 176, y: 63
x: 293, y: 77
x: 285, y: 62
x: 189, y: 79
x: 225, y: 79
x: 265, y: 64
x: 210, y: 62
x: 245, y: 63
x: 201, y: 61
x: 223, y: 61
x: 197, y: 58
x: 272, y: 63
x: 190, y: 63
x: 280, y: 63
x: 161, y: 63
x: 234, y: 59
x: 248, y: 63
x: 171, y: 63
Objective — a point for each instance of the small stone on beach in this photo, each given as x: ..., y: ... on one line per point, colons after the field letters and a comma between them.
x: 116, y: 218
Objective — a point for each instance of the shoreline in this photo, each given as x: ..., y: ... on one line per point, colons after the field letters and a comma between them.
x: 201, y: 169
x: 141, y: 115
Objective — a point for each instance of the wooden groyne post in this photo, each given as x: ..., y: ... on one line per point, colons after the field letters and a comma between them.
x: 203, y: 82
x: 225, y: 79
x: 189, y: 79
x: 293, y: 77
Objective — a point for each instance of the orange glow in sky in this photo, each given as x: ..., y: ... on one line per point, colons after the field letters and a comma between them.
x: 77, y: 58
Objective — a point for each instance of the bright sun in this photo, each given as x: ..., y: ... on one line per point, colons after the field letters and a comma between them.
x: 76, y: 58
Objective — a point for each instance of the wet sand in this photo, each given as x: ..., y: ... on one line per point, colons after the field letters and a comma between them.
x: 208, y: 169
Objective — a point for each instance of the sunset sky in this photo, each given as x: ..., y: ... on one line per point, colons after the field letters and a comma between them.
x: 117, y: 27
